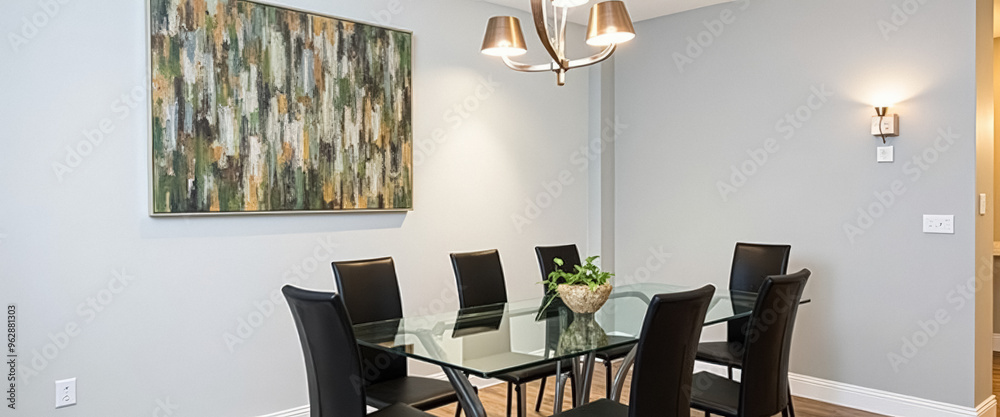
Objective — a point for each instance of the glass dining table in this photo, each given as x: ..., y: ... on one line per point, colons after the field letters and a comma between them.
x: 495, y: 339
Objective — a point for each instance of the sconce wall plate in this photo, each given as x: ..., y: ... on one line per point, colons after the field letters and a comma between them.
x: 884, y: 124
x: 890, y: 125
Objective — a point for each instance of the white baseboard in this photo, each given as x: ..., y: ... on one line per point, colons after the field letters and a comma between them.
x: 868, y: 399
x: 832, y: 392
x: 881, y: 402
x: 996, y: 342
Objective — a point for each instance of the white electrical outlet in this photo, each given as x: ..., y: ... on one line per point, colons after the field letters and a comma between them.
x: 65, y: 393
x: 884, y: 154
x: 934, y: 223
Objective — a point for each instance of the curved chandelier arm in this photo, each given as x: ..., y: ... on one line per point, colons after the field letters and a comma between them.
x: 552, y: 66
x: 593, y: 59
x: 538, y: 12
x: 517, y: 66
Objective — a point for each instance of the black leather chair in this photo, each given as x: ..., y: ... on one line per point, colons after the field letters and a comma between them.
x: 752, y: 263
x: 481, y: 282
x: 571, y: 257
x: 763, y: 389
x: 333, y: 364
x: 371, y: 293
x: 664, y: 361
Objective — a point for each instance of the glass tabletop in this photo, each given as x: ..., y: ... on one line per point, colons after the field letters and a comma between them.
x: 500, y: 338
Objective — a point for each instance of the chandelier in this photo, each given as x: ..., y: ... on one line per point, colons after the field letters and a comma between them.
x: 609, y: 26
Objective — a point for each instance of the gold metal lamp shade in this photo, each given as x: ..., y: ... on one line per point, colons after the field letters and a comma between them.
x: 504, y: 37
x: 609, y: 24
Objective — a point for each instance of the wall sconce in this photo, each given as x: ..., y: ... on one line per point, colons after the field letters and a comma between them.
x: 884, y: 124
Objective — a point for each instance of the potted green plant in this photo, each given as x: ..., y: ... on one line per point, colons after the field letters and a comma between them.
x: 584, y: 290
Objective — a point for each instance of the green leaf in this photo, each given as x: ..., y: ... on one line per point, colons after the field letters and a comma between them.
x: 588, y: 274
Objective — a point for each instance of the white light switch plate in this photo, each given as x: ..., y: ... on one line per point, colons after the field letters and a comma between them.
x: 884, y: 154
x: 65, y: 393
x: 939, y: 223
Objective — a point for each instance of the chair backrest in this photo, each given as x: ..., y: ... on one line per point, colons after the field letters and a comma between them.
x: 664, y: 362
x: 570, y: 256
x: 752, y: 263
x: 333, y: 365
x: 480, y: 278
x: 371, y: 293
x: 764, y: 381
x: 370, y: 289
x: 545, y: 254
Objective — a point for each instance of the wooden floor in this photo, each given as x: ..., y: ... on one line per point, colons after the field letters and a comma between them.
x: 495, y: 400
x: 996, y: 373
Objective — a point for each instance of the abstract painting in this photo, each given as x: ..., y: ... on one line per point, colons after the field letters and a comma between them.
x: 257, y: 109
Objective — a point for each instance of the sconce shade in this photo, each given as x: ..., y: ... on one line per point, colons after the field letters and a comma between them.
x: 504, y: 37
x: 609, y: 24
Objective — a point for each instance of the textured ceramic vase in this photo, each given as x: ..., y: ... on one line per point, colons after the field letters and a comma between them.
x: 581, y: 299
x: 582, y: 335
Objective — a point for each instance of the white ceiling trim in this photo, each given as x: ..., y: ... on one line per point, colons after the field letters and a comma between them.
x: 639, y: 9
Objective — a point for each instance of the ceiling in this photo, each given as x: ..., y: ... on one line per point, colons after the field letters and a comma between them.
x: 639, y: 9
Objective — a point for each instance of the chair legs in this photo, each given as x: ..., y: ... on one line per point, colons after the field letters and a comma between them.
x: 510, y: 396
x: 522, y: 392
x: 572, y: 384
x: 787, y: 412
x: 522, y: 400
x: 541, y: 393
x: 607, y: 379
x: 458, y: 405
x: 791, y: 409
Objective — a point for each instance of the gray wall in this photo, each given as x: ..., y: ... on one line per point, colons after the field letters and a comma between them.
x: 160, y: 340
x: 984, y: 187
x: 688, y: 127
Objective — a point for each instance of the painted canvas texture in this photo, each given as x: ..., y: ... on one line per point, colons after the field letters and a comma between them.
x: 257, y: 108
